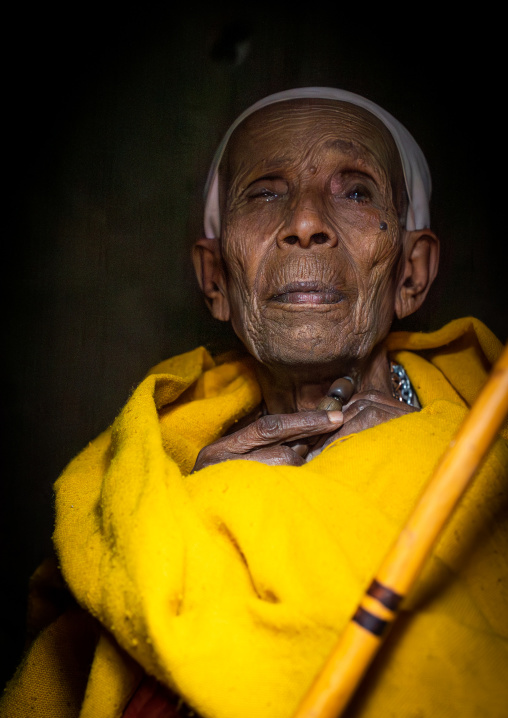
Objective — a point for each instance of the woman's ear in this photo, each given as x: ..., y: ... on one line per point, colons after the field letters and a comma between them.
x: 209, y: 268
x: 418, y: 270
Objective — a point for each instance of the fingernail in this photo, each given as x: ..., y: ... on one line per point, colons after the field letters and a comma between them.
x: 335, y: 417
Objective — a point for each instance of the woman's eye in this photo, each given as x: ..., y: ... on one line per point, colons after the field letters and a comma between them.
x: 264, y: 194
x: 267, y: 189
x: 358, y: 194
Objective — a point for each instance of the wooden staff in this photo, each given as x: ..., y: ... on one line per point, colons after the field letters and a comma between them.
x: 363, y: 636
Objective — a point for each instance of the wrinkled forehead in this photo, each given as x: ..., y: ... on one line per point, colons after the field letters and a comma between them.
x: 290, y: 131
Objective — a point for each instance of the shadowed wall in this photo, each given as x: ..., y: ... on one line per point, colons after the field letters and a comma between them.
x: 114, y: 121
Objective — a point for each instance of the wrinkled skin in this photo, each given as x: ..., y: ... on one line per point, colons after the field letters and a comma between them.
x: 312, y: 264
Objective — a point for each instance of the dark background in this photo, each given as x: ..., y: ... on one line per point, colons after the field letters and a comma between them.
x: 112, y: 120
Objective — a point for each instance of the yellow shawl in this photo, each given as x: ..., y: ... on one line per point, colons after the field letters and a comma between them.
x: 232, y: 584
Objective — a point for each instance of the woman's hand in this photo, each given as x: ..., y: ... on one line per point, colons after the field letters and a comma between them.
x: 368, y: 409
x: 266, y: 439
x: 291, y: 439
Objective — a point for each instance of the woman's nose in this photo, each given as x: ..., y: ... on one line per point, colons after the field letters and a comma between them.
x: 306, y: 224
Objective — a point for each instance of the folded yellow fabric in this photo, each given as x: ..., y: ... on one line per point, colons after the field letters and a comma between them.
x: 231, y: 585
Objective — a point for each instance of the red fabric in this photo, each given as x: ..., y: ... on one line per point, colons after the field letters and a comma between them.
x: 153, y: 700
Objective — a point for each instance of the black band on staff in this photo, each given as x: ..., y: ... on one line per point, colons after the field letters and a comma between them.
x: 371, y: 623
x: 390, y: 599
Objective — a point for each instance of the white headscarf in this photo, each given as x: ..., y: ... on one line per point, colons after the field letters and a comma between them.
x: 414, y: 164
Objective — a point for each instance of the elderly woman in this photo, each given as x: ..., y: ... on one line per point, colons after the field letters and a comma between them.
x: 318, y: 249
x: 219, y: 536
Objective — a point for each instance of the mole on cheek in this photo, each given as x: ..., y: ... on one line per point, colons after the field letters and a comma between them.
x: 313, y: 170
x: 383, y: 226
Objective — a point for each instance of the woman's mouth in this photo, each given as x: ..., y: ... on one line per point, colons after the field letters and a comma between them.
x: 307, y: 292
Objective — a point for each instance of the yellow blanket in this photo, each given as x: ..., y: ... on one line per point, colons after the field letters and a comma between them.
x: 231, y: 585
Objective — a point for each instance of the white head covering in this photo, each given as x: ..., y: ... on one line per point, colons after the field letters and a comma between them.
x: 414, y: 164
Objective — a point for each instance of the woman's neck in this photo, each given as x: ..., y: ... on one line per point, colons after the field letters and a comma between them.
x: 287, y: 389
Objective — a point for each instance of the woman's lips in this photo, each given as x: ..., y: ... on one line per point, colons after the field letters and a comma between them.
x: 307, y: 293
